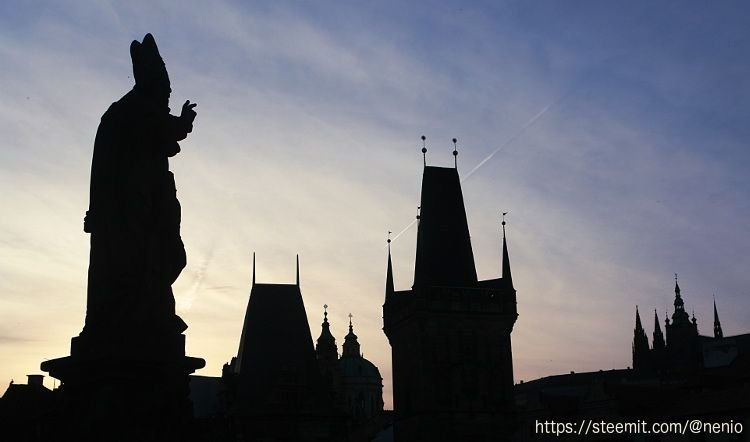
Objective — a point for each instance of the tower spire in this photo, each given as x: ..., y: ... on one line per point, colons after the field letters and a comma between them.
x: 506, y: 276
x: 424, y: 150
x: 253, y: 268
x: 718, y: 333
x: 389, y: 273
x: 298, y: 270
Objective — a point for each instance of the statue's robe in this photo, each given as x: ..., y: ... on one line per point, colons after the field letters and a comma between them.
x: 134, y: 220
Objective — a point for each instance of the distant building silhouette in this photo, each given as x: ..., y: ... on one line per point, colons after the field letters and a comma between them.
x: 29, y: 411
x: 280, y: 387
x: 274, y: 389
x: 684, y: 349
x: 361, y: 383
x: 450, y: 334
x: 683, y: 377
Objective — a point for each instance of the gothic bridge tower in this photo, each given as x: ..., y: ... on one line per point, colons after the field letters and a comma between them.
x: 450, y: 333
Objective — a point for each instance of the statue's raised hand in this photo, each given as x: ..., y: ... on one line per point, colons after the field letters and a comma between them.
x: 188, y: 114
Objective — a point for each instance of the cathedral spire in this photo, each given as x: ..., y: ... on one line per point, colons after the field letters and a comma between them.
x: 638, y: 325
x: 507, y: 277
x: 298, y: 270
x: 253, y: 268
x: 389, y: 273
x: 658, y: 342
x: 718, y: 333
x: 640, y: 344
x: 679, y: 316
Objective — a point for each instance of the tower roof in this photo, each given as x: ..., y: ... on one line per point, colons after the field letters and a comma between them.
x: 444, y: 254
x: 275, y: 339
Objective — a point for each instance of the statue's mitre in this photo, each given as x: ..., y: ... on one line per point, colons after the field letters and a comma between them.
x: 148, y: 67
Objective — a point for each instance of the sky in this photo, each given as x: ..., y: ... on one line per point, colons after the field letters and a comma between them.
x: 614, y: 133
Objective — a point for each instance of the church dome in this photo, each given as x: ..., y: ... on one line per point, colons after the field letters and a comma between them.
x: 352, y: 367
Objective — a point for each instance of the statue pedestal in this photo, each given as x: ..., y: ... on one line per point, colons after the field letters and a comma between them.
x: 132, y: 389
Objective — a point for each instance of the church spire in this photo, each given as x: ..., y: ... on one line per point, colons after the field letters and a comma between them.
x: 325, y: 349
x: 718, y: 333
x: 351, y: 344
x: 389, y: 273
x: 658, y: 342
x: 507, y: 277
x: 253, y: 268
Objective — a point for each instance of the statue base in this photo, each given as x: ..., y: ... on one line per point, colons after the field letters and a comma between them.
x: 131, y: 389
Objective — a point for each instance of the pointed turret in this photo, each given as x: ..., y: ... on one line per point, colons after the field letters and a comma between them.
x: 718, y: 333
x: 444, y: 254
x: 507, y: 277
x: 351, y: 344
x: 325, y: 348
x: 658, y: 342
x: 389, y: 273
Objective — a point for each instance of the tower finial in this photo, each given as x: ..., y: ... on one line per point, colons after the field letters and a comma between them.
x: 325, y: 312
x: 350, y: 321
x: 298, y: 270
x: 455, y: 154
x: 424, y: 150
x: 253, y: 268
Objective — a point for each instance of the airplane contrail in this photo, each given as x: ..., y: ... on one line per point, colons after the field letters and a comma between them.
x: 520, y: 132
x: 528, y: 124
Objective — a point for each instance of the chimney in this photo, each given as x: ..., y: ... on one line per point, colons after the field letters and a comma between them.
x: 36, y: 380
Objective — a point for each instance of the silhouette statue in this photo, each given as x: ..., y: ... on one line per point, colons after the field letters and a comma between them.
x: 134, y: 214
